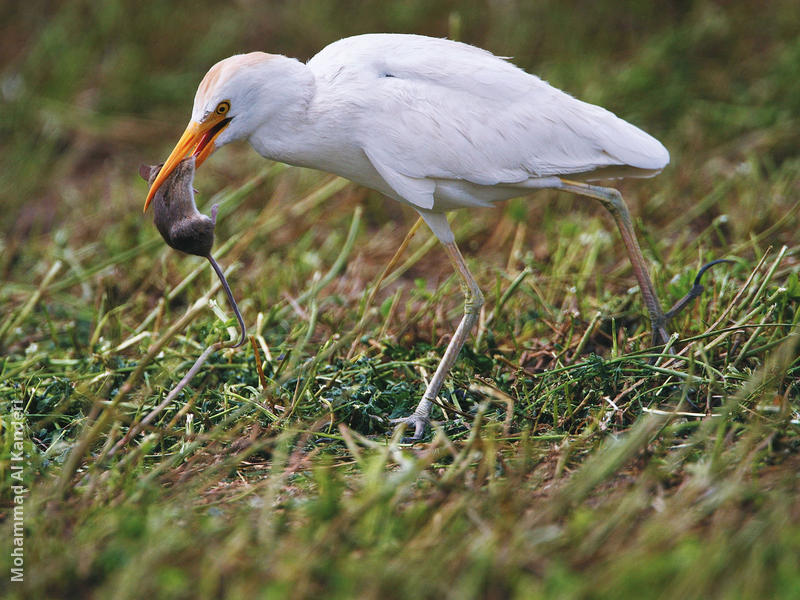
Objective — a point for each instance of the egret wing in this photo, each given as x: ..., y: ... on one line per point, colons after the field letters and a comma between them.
x: 426, y: 108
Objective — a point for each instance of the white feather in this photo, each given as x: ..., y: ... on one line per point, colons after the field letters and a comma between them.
x: 431, y: 122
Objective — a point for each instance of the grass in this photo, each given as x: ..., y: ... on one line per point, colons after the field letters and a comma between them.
x: 571, y: 459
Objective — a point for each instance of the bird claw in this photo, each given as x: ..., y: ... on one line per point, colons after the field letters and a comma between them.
x: 661, y: 336
x: 697, y: 289
x: 418, y: 421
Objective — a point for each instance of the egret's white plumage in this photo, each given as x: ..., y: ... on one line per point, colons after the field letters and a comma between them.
x: 433, y: 123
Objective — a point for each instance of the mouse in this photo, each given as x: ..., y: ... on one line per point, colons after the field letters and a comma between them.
x: 182, y: 226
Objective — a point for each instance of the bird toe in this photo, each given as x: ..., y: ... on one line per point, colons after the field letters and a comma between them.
x: 419, y: 422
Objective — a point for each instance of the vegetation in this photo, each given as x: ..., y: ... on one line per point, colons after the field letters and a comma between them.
x: 571, y: 459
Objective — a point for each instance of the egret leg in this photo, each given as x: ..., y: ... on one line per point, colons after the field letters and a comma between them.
x: 473, y: 301
x: 612, y: 200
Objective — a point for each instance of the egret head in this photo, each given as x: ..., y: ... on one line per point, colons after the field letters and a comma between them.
x: 222, y: 111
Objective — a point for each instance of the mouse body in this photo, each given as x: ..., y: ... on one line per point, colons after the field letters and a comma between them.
x: 175, y: 213
x: 182, y: 226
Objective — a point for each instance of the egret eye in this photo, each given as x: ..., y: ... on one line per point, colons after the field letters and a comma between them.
x: 223, y: 107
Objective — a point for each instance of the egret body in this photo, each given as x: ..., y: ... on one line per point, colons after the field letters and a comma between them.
x: 432, y: 123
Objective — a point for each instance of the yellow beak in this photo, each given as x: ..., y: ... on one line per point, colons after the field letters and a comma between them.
x: 198, y: 139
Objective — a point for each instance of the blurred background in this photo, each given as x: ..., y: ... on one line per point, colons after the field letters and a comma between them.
x: 90, y: 90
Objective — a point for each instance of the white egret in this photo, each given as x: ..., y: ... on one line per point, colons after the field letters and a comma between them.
x: 432, y: 123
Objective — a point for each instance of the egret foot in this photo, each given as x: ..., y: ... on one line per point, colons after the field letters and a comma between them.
x: 696, y: 290
x: 419, y: 421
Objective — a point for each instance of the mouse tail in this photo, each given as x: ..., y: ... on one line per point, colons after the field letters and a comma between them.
x: 231, y: 301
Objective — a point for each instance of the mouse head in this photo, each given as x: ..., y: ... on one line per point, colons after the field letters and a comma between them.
x: 149, y: 172
x: 184, y: 171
